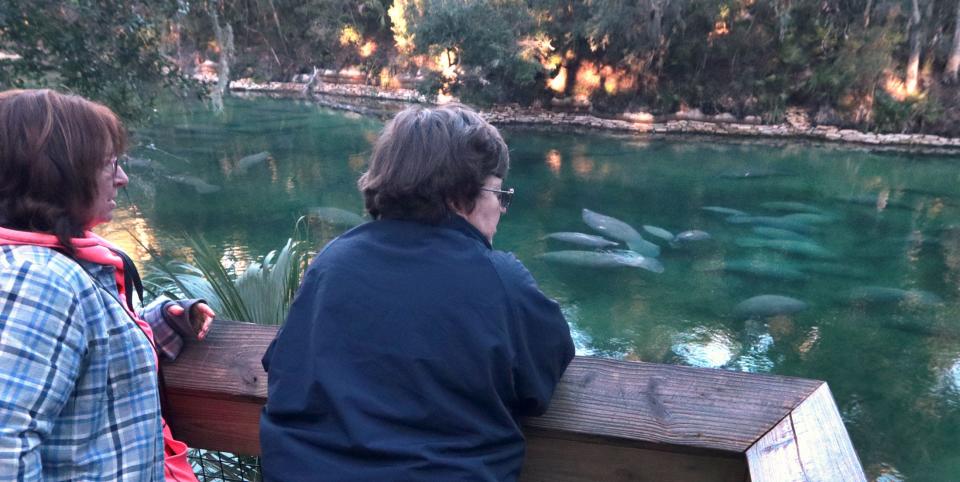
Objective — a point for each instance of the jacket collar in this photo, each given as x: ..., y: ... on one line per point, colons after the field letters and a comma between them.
x: 458, y: 223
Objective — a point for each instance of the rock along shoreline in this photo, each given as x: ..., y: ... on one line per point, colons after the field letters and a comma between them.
x: 344, y: 96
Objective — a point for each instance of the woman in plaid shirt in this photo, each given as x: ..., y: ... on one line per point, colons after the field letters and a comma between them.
x: 79, y: 397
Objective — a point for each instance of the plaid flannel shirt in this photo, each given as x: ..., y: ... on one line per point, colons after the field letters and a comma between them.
x: 78, y: 385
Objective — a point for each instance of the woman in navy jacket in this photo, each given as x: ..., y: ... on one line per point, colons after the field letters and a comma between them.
x: 413, y: 348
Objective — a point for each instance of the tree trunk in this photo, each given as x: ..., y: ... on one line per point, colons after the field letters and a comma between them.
x: 953, y: 62
x: 224, y: 36
x: 866, y: 13
x: 782, y: 9
x: 276, y: 21
x: 655, y: 27
x: 913, y: 63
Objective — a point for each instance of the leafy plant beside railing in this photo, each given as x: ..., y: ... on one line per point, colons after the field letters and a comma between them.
x: 261, y: 293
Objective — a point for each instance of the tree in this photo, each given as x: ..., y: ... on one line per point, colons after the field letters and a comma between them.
x: 917, y: 27
x: 913, y: 63
x: 953, y: 62
x: 108, y: 51
x: 479, y: 39
x: 224, y: 36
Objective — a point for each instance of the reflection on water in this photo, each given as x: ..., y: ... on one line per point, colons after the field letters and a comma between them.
x: 952, y: 379
x: 706, y: 347
x: 131, y: 232
x: 869, y: 244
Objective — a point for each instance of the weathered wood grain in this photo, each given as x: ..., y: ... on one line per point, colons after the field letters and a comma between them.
x: 774, y: 458
x: 826, y: 452
x: 605, y: 414
x: 551, y: 459
x: 225, y: 365
x: 216, y: 388
x: 690, y: 407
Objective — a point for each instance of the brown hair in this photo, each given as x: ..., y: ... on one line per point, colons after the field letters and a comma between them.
x: 52, y: 148
x: 427, y: 160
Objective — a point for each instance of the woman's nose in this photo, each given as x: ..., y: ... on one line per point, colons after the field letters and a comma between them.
x: 120, y: 179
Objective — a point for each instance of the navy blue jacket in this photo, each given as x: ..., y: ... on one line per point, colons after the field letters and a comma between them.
x: 410, y: 352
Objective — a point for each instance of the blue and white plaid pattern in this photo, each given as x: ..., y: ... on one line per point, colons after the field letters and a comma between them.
x: 78, y: 385
x: 168, y: 342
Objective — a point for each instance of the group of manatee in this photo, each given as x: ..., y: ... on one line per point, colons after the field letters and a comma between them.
x: 788, y: 231
x: 785, y: 227
x: 199, y: 185
x: 640, y: 253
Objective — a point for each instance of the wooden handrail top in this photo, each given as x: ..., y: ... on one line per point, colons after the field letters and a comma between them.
x: 217, y: 388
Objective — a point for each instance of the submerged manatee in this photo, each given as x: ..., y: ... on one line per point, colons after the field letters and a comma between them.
x: 335, y: 216
x: 878, y: 201
x: 924, y: 326
x: 789, y: 246
x: 724, y: 211
x: 688, y: 239
x: 809, y: 218
x: 582, y: 239
x: 777, y: 233
x: 594, y: 259
x: 658, y: 232
x: 692, y: 235
x: 252, y: 160
x: 766, y: 306
x: 610, y: 226
x: 764, y: 269
x: 138, y: 162
x: 791, y: 206
x: 833, y: 269
x: 618, y: 229
x: 753, y: 173
x: 199, y: 185
x: 638, y: 260
x: 644, y: 247
x: 773, y: 222
x: 881, y: 295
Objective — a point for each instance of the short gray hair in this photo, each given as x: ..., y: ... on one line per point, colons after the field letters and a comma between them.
x: 427, y: 159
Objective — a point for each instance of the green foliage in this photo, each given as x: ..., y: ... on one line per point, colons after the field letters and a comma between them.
x: 854, y: 69
x: 740, y: 56
x: 108, y: 51
x: 276, y: 39
x: 261, y: 293
x: 482, y: 38
x: 891, y: 115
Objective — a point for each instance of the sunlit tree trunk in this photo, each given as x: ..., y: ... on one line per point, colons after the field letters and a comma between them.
x: 913, y: 63
x: 953, y: 62
x: 866, y: 13
x: 224, y: 36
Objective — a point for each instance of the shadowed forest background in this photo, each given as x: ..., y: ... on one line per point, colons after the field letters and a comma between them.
x: 881, y: 65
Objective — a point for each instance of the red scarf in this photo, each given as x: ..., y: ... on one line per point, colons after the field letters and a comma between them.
x: 90, y: 248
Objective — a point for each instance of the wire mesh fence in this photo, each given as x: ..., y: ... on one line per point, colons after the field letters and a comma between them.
x: 211, y: 466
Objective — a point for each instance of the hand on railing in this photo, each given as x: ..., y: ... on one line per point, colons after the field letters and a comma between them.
x: 201, y: 317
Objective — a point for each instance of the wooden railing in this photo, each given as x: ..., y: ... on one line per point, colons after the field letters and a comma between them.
x: 609, y: 420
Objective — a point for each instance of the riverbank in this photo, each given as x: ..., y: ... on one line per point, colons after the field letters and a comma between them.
x: 798, y: 125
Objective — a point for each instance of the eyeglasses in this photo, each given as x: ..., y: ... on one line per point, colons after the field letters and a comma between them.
x: 505, y: 197
x: 113, y: 165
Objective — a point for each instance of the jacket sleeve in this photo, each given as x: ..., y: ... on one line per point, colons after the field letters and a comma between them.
x: 168, y: 330
x: 43, y: 343
x: 542, y: 343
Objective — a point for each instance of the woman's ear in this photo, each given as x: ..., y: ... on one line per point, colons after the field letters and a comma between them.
x: 455, y: 207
